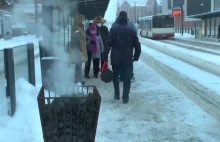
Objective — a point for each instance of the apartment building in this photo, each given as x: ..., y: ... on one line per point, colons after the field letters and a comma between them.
x: 135, y: 10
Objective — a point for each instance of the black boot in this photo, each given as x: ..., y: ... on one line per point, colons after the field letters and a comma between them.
x: 87, y: 76
x: 117, y: 97
x: 125, y: 101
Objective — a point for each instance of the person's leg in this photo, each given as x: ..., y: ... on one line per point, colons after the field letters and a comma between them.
x: 88, y: 65
x: 102, y: 60
x: 78, y: 73
x: 96, y: 67
x: 126, y: 83
x: 116, y: 72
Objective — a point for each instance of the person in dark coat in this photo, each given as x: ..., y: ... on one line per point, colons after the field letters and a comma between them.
x: 89, y: 42
x: 103, y: 31
x: 121, y: 42
x: 131, y: 26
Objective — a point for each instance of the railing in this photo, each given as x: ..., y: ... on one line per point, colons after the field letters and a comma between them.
x: 15, y: 63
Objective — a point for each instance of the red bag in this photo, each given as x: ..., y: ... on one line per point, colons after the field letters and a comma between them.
x: 106, y: 74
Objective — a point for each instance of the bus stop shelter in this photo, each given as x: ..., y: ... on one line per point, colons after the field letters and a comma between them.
x: 208, y: 26
x: 58, y: 18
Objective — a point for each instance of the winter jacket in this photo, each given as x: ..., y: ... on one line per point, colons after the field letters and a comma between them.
x: 104, y: 34
x: 78, y: 43
x: 100, y: 48
x: 129, y: 24
x: 122, y: 41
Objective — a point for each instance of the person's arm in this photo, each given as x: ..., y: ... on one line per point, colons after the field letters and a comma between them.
x: 109, y: 45
x: 101, y: 44
x: 137, y: 48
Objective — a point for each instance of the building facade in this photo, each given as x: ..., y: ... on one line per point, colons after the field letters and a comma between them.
x: 209, y: 15
x: 188, y: 23
x: 137, y: 10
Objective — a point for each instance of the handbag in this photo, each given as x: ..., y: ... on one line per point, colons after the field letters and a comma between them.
x: 106, y: 74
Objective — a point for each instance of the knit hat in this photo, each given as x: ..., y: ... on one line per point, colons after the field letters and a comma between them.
x: 123, y: 14
x: 93, y: 27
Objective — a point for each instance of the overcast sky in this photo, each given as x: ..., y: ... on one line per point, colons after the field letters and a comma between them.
x: 110, y: 14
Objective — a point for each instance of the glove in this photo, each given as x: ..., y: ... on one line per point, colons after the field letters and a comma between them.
x: 104, y: 66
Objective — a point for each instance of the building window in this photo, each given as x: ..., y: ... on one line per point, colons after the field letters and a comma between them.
x: 169, y: 4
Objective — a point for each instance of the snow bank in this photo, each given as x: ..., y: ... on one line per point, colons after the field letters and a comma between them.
x: 181, y: 55
x: 25, y: 125
x: 18, y: 41
x: 212, y: 41
x: 185, y: 35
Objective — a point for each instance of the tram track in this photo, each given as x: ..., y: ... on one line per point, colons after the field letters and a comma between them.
x: 197, y: 43
x: 194, y: 61
x: 192, y: 47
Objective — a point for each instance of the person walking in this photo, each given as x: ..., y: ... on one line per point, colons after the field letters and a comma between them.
x: 96, y: 48
x: 121, y: 42
x: 131, y: 26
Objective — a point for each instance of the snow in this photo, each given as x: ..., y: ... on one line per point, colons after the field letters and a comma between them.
x: 197, y: 47
x: 50, y: 58
x: 200, y: 55
x: 185, y: 35
x: 18, y: 41
x: 156, y: 112
x: 212, y: 41
x: 202, y: 77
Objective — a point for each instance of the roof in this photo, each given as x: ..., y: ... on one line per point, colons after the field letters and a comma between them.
x: 206, y: 15
x: 93, y: 8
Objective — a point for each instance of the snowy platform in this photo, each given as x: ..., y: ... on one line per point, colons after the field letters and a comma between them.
x: 157, y: 112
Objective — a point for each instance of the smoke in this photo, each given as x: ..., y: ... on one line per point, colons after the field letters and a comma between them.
x: 61, y: 75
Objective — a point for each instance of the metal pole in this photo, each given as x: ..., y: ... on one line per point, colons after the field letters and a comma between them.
x: 135, y: 13
x: 2, y: 23
x: 36, y: 17
x: 155, y: 7
x: 182, y: 18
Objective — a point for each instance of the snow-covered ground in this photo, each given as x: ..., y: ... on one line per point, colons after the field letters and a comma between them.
x: 200, y: 55
x: 185, y: 35
x: 204, y: 78
x: 212, y: 41
x: 157, y: 111
x: 193, y: 46
x: 18, y: 41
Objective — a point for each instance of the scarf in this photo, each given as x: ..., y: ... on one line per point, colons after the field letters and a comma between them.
x: 93, y: 37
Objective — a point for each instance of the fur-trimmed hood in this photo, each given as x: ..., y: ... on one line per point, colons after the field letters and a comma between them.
x: 98, y: 19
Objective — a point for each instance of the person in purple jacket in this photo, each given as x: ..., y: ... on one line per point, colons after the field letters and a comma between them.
x: 121, y: 42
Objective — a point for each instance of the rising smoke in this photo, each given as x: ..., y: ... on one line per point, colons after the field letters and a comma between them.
x: 61, y: 75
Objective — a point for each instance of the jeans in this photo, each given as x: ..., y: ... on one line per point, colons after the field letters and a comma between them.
x: 78, y: 73
x: 125, y: 73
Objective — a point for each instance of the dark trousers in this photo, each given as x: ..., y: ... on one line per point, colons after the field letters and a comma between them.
x: 88, y: 63
x: 96, y: 63
x: 102, y: 60
x: 125, y: 73
x: 132, y: 72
